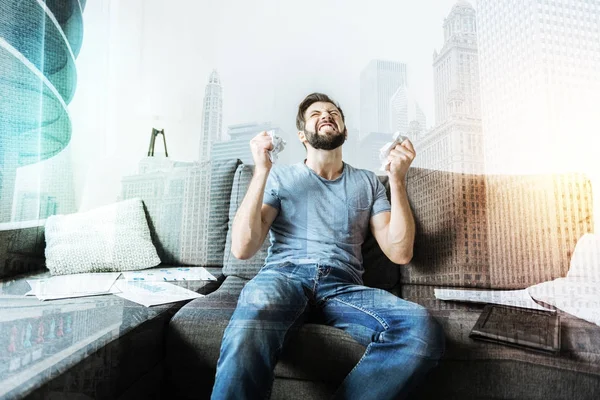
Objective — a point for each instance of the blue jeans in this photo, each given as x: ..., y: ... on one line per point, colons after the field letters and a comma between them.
x: 402, y: 340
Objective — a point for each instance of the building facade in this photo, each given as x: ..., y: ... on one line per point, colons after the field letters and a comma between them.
x: 378, y: 83
x: 406, y: 116
x: 455, y: 143
x: 540, y: 82
x: 212, y: 116
x: 238, y: 146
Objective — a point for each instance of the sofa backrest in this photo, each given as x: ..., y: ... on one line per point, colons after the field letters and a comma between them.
x: 21, y: 249
x: 379, y: 270
x: 189, y: 226
x: 495, y: 231
x: 187, y: 211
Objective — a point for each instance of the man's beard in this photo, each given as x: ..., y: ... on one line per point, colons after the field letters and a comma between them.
x: 326, y: 141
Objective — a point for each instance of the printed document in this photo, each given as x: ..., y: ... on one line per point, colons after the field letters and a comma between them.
x: 515, y: 298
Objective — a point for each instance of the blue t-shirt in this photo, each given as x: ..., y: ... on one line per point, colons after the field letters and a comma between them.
x: 320, y: 220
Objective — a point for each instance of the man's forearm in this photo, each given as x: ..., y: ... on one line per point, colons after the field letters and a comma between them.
x: 246, y: 234
x: 401, y: 230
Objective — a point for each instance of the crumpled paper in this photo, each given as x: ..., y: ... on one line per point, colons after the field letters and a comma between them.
x: 385, y: 150
x: 278, y: 146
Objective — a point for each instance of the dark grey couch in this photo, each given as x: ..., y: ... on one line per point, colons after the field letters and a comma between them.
x: 495, y: 232
x: 457, y: 217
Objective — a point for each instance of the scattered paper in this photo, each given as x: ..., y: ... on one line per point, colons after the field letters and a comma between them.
x: 515, y: 298
x: 170, y: 274
x: 74, y: 285
x: 148, y: 293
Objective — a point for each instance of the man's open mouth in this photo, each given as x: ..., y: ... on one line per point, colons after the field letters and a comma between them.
x: 325, y: 124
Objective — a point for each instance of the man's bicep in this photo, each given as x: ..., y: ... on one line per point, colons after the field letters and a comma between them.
x: 379, y: 227
x: 267, y: 214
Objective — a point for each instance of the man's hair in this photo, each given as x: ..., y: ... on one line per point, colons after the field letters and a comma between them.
x: 307, y: 102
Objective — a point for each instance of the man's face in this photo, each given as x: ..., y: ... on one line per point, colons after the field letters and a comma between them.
x: 324, y: 128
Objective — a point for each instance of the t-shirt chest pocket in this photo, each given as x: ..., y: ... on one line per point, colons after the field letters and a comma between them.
x: 358, y: 200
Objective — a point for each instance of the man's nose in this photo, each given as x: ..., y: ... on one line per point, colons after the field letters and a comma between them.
x: 326, y: 116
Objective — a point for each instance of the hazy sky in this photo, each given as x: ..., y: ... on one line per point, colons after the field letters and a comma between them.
x: 145, y: 63
x: 270, y: 54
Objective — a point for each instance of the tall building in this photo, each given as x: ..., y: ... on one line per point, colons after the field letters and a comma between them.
x: 212, y: 116
x: 406, y: 115
x: 160, y: 184
x: 540, y: 84
x: 452, y: 233
x: 369, y: 146
x: 238, y: 146
x: 351, y: 149
x: 455, y: 67
x: 39, y: 78
x: 33, y: 206
x: 378, y: 83
x: 455, y: 143
x: 534, y: 222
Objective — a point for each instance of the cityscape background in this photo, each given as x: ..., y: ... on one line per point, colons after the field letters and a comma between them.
x: 486, y: 87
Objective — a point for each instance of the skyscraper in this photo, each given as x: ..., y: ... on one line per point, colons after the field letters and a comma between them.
x: 238, y: 146
x: 212, y: 116
x: 39, y: 78
x: 540, y: 84
x: 33, y: 206
x: 455, y: 68
x: 406, y: 115
x: 456, y: 142
x: 160, y: 184
x: 378, y: 83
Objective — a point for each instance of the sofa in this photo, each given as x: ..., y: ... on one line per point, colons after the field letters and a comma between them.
x: 473, y: 231
x: 487, y: 232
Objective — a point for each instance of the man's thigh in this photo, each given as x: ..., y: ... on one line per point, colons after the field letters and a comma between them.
x: 366, y: 313
x: 271, y: 296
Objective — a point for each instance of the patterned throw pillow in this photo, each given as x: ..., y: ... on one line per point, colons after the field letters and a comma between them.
x: 107, y: 239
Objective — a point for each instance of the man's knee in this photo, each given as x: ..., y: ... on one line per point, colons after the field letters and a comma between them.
x: 428, y: 334
x: 420, y: 333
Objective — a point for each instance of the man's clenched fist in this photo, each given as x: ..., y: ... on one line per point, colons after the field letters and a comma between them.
x: 400, y: 158
x: 260, y: 145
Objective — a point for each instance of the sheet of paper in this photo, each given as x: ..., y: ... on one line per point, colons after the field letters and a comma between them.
x: 170, y: 274
x: 112, y: 290
x: 74, y: 285
x: 585, y: 262
x: 515, y: 298
x: 578, y: 297
x: 148, y: 293
x: 579, y: 292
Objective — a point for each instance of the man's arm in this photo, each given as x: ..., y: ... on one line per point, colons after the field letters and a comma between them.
x: 253, y: 218
x: 395, y: 230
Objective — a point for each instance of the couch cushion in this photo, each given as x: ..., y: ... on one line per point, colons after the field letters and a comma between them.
x: 380, y: 272
x: 232, y: 266
x: 497, y: 231
x: 188, y: 221
x: 318, y: 352
x: 475, y: 369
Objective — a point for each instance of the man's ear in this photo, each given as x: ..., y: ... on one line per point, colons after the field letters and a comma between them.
x: 301, y: 136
